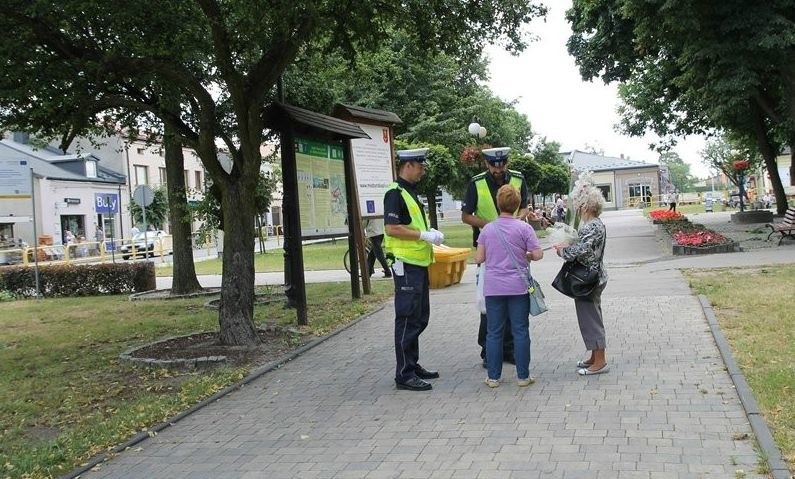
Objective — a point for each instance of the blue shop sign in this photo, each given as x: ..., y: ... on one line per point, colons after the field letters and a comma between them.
x: 106, y: 203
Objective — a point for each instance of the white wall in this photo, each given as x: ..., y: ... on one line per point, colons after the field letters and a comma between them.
x: 52, y: 205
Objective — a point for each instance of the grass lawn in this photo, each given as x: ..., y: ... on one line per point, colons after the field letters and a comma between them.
x: 754, y: 309
x: 325, y: 256
x: 64, y: 396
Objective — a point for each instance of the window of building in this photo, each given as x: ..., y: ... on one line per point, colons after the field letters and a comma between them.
x: 186, y: 175
x: 91, y: 169
x: 163, y: 176
x: 199, y: 182
x: 639, y: 194
x: 140, y: 151
x: 141, y: 175
x: 607, y: 192
x: 6, y: 233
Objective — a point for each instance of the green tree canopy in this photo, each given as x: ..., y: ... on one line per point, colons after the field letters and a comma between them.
x: 156, y: 213
x: 720, y: 153
x: 435, y: 95
x: 696, y: 66
x: 208, y: 69
x: 678, y: 171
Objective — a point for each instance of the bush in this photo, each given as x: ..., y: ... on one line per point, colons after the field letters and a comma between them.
x: 79, y: 280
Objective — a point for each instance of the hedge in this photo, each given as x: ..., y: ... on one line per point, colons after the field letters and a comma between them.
x: 79, y: 279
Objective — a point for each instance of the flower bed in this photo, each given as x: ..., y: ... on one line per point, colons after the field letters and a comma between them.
x: 699, y: 237
x: 691, y: 238
x: 665, y: 216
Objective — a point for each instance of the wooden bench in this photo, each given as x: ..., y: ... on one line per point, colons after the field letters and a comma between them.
x: 786, y: 228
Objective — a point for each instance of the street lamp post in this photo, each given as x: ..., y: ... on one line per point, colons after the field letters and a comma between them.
x: 476, y: 129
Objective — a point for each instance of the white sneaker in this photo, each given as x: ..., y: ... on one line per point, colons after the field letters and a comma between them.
x: 492, y: 383
x: 523, y: 383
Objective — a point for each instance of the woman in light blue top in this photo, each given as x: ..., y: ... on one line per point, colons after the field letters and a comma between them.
x: 505, y: 287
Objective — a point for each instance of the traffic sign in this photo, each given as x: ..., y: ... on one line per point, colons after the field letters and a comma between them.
x: 143, y: 195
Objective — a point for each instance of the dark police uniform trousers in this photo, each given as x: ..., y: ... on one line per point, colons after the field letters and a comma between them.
x: 412, y: 311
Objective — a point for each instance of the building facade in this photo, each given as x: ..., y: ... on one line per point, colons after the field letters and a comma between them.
x: 73, y: 193
x: 624, y: 183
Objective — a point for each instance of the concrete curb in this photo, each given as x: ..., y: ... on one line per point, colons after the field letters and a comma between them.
x: 764, y: 438
x: 255, y: 374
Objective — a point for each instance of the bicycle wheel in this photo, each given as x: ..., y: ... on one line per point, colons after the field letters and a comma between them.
x: 346, y: 260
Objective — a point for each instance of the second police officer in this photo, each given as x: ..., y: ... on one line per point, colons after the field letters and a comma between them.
x: 480, y: 207
x: 409, y: 238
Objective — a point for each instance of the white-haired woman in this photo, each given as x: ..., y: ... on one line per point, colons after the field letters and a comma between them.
x: 589, y: 250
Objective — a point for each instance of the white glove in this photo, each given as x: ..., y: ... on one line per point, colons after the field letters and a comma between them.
x: 433, y: 237
x: 441, y: 236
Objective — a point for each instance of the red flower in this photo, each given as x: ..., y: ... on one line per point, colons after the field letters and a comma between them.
x: 470, y: 155
x: 698, y: 238
x: 740, y: 165
x: 664, y: 216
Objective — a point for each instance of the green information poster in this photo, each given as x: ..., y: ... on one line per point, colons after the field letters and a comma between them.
x: 321, y: 188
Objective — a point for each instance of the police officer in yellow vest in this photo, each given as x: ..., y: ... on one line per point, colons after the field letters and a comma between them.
x: 480, y: 207
x: 409, y: 238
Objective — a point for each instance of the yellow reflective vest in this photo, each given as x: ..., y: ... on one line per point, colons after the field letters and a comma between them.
x: 411, y: 251
x: 486, y: 209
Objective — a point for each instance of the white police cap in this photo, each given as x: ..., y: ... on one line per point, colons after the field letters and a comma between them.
x: 496, y: 154
x: 417, y: 155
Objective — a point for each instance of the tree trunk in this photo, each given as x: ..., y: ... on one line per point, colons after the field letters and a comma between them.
x: 768, y: 150
x: 788, y: 73
x: 236, y: 312
x: 184, y: 280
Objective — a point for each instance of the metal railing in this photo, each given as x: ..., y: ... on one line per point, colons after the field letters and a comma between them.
x: 88, y: 251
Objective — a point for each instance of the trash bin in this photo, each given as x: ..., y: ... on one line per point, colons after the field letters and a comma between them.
x: 449, y: 266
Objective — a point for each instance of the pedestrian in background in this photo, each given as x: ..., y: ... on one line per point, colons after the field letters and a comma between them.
x: 410, y: 239
x: 374, y: 230
x: 560, y: 209
x: 507, y: 245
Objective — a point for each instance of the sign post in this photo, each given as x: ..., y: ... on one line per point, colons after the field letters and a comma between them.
x: 144, y: 196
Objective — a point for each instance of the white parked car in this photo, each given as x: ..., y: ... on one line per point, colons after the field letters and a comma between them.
x: 151, y: 243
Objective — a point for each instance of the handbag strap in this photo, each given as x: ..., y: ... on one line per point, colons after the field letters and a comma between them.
x: 528, y: 279
x: 602, y: 251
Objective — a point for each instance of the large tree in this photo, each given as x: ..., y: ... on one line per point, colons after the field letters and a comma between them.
x: 436, y: 95
x: 694, y: 65
x: 678, y: 171
x: 220, y: 59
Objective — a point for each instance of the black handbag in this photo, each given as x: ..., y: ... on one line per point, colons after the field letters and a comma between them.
x: 576, y: 280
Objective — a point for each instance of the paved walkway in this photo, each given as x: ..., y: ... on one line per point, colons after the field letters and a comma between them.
x: 667, y: 409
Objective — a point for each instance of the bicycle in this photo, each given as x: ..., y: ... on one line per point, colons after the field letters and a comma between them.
x: 346, y: 258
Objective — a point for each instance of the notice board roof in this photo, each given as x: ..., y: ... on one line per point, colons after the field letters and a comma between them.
x: 354, y: 112
x: 278, y: 115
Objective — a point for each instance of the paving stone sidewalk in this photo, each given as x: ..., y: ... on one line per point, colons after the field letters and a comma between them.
x: 667, y: 409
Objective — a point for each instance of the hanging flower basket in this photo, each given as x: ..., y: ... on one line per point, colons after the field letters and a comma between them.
x: 470, y: 155
x: 740, y: 165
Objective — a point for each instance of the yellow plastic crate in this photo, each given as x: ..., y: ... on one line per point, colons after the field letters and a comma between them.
x: 449, y: 266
